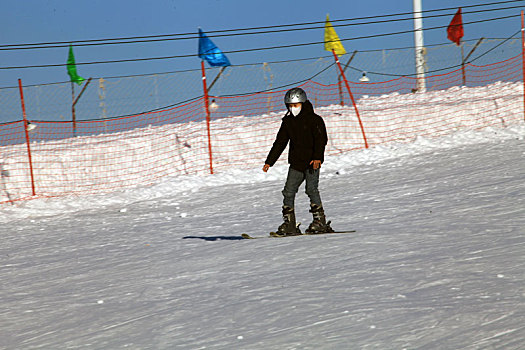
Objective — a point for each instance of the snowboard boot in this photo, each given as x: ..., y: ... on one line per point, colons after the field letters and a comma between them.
x: 319, y: 224
x: 289, y: 226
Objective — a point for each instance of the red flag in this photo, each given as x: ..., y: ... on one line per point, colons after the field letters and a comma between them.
x: 455, y: 28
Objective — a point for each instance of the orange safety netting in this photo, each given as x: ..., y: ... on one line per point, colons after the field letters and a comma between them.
x: 99, y: 156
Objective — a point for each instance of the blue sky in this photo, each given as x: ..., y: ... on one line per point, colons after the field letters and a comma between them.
x: 32, y: 21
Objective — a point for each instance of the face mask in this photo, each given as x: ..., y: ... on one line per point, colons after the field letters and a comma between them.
x: 295, y: 110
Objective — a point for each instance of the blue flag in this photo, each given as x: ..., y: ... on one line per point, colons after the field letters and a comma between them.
x: 211, y: 53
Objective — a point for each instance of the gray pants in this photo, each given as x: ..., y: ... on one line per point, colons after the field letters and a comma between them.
x: 294, y: 179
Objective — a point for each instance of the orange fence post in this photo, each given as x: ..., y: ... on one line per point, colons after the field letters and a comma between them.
x: 27, y: 137
x: 351, y: 97
x: 523, y: 58
x: 206, y: 105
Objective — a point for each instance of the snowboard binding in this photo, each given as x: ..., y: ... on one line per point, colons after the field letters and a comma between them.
x: 289, y: 227
x: 319, y: 224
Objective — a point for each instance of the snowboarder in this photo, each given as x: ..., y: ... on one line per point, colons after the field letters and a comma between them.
x: 306, y: 132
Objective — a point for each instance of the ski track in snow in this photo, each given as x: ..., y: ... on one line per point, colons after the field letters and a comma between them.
x: 437, y: 261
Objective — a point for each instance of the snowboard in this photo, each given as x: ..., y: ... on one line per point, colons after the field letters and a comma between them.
x: 275, y: 235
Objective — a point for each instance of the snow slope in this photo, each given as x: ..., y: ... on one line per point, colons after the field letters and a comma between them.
x: 437, y: 261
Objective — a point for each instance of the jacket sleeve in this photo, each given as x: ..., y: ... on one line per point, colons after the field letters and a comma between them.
x: 320, y: 140
x: 281, y: 140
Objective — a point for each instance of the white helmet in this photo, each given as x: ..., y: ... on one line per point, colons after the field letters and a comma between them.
x: 295, y: 95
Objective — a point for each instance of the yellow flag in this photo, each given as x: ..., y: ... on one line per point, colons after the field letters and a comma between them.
x: 331, y: 40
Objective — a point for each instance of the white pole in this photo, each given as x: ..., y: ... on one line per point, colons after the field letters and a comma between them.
x: 420, y: 49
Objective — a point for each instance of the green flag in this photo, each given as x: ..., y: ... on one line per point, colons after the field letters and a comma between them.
x: 72, y: 68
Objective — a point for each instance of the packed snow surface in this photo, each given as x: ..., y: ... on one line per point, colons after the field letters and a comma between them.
x: 437, y: 261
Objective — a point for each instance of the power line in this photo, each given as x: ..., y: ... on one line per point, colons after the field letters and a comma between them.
x: 246, y: 50
x: 328, y: 56
x: 440, y: 69
x: 232, y: 32
x: 199, y: 97
x: 296, y: 83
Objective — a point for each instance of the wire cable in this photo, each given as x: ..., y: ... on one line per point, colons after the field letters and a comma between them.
x: 328, y: 56
x: 234, y: 32
x: 199, y: 97
x: 247, y: 50
x: 440, y: 69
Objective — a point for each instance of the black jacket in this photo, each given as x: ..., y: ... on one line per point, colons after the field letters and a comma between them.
x: 307, y: 135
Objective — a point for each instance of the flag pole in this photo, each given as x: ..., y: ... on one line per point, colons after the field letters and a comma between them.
x: 351, y: 97
x: 210, y: 52
x: 28, y: 143
x: 207, y: 108
x: 523, y: 57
